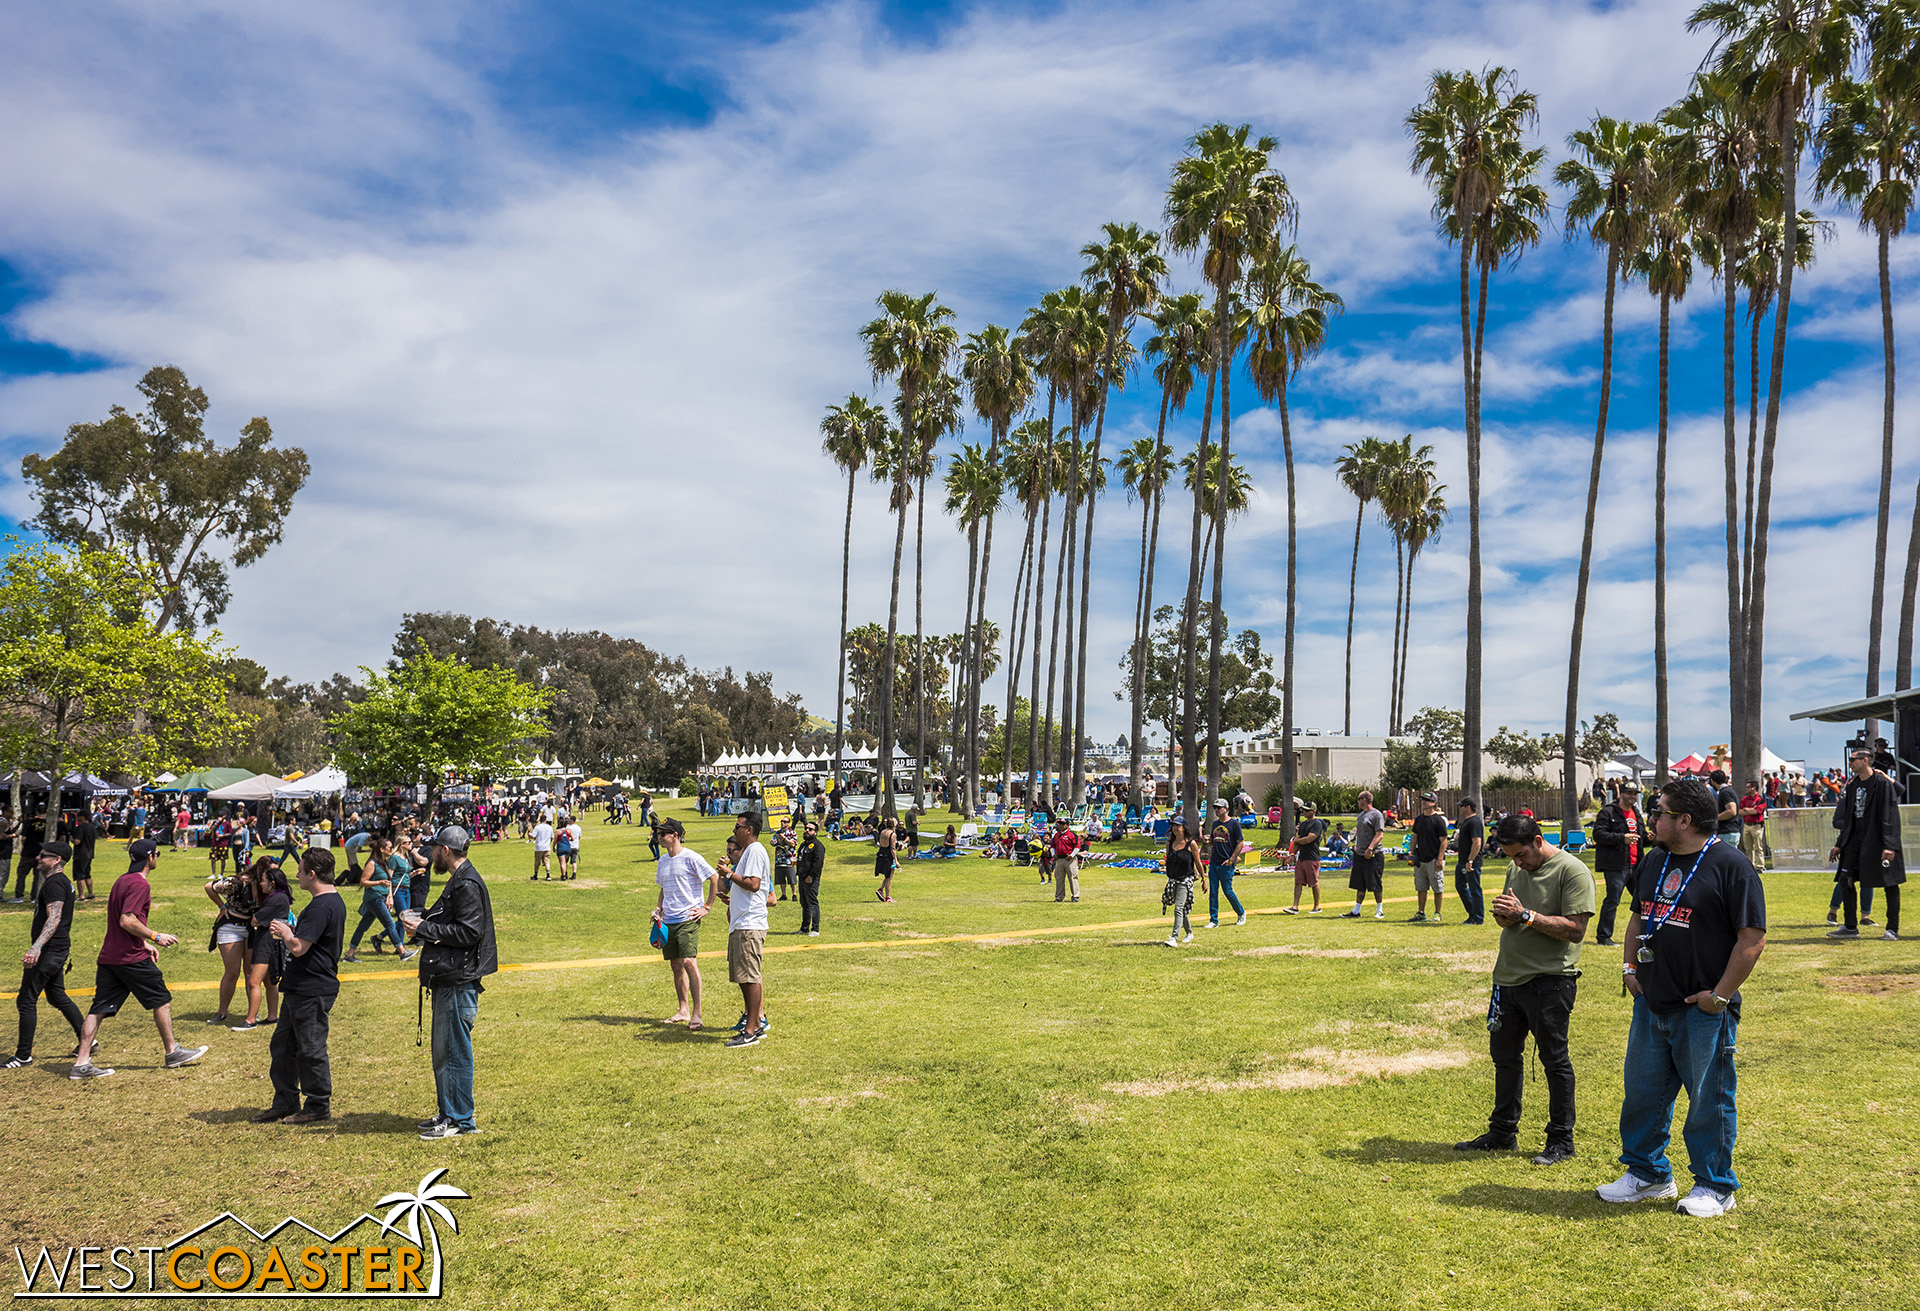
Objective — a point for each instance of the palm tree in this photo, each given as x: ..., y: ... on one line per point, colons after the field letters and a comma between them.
x: 1869, y: 146
x: 1234, y: 498
x: 1228, y: 203
x: 1406, y: 483
x: 424, y: 1204
x: 912, y: 341
x: 1182, y: 331
x: 1030, y: 472
x: 1000, y: 381
x: 1359, y: 469
x: 1783, y: 51
x: 938, y: 415
x: 974, y: 493
x: 1423, y: 524
x: 1467, y: 143
x: 1287, y: 325
x: 1080, y: 346
x: 1124, y: 272
x: 1049, y: 334
x: 850, y: 434
x: 1612, y: 168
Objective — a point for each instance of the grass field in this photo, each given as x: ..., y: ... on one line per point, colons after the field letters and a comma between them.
x: 1065, y: 1115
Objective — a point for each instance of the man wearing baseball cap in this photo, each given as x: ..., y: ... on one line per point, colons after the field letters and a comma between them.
x: 129, y: 966
x: 46, y: 956
x: 458, y: 952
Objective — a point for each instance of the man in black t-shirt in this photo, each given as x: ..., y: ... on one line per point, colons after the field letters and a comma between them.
x: 1470, y: 845
x: 45, y: 960
x: 1429, y: 856
x: 1727, y: 825
x: 1698, y: 926
x: 81, y: 834
x: 308, y: 987
x: 1307, y: 834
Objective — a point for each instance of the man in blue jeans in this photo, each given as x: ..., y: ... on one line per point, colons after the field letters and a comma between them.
x: 1698, y: 926
x: 1470, y: 847
x: 457, y: 952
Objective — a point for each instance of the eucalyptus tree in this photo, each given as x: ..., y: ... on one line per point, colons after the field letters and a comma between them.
x: 1783, y: 52
x: 1869, y: 147
x: 911, y: 341
x: 1227, y: 203
x: 1124, y: 271
x: 975, y: 491
x: 850, y: 434
x: 1180, y: 342
x: 1607, y: 178
x: 1359, y: 469
x: 1468, y: 142
x: 1000, y: 382
x: 1287, y: 314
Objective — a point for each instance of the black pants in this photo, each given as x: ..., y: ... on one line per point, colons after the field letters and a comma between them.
x: 1541, y: 1006
x: 810, y: 905
x: 1616, y: 888
x: 299, y: 1052
x: 1891, y: 892
x: 48, y: 976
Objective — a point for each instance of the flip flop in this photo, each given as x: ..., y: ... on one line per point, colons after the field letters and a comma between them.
x: 694, y: 1026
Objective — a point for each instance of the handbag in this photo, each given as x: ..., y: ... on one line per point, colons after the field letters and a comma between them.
x: 657, y: 937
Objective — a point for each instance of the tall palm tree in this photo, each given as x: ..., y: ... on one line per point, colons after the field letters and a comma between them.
x: 911, y: 341
x: 1468, y: 144
x: 1233, y: 498
x: 1423, y: 524
x: 1000, y: 382
x: 1081, y: 347
x: 1030, y: 474
x: 1228, y: 203
x: 1783, y: 52
x: 1287, y: 314
x: 1358, y: 468
x: 938, y: 415
x: 975, y: 491
x: 850, y: 434
x: 1611, y: 170
x: 1869, y: 146
x: 1406, y: 482
x: 1180, y: 341
x: 1050, y: 333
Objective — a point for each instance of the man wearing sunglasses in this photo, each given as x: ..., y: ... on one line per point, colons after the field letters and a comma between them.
x: 1868, y: 849
x: 811, y: 860
x: 1698, y: 926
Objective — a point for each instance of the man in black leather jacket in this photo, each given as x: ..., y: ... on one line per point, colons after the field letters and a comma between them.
x: 457, y: 952
x: 1619, y: 836
x: 812, y: 860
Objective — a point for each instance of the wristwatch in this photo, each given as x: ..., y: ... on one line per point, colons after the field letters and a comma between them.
x: 1726, y: 1003
x: 1526, y: 918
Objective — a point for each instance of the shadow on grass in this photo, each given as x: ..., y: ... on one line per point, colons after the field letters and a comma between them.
x: 1156, y: 942
x: 375, y: 1122
x: 1535, y: 1201
x: 238, y: 1115
x: 655, y: 1030
x: 1404, y: 1151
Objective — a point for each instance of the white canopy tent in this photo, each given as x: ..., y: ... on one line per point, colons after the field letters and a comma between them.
x: 322, y: 784
x: 1772, y: 764
x: 260, y: 787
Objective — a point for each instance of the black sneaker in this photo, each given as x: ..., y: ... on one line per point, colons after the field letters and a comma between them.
x: 435, y: 1122
x: 221, y: 1018
x: 1554, y: 1154
x: 1844, y: 933
x: 18, y: 1063
x: 74, y: 1055
x: 746, y: 1039
x: 1488, y: 1142
x: 446, y: 1129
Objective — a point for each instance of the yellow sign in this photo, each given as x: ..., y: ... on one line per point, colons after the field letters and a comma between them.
x: 779, y: 807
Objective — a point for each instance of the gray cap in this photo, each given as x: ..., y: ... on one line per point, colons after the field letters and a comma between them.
x: 452, y: 837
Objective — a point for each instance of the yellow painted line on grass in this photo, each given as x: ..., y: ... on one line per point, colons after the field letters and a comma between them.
x: 653, y: 958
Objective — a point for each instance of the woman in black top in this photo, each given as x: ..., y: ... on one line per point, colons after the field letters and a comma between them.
x: 1183, y: 866
x: 883, y: 859
x: 234, y: 900
x: 265, y: 957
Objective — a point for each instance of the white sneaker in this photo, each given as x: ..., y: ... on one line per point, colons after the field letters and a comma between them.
x: 1630, y: 1187
x: 1189, y: 937
x: 1381, y: 913
x: 1173, y: 940
x: 1705, y: 1202
x: 1241, y: 920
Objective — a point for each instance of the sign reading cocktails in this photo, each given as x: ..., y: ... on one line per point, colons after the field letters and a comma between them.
x: 395, y: 1257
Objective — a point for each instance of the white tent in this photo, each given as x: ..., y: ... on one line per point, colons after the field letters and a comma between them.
x: 322, y: 784
x: 1772, y: 764
x: 258, y: 788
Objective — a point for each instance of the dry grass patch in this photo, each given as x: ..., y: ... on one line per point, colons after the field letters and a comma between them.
x: 1874, y: 985
x: 1322, y: 953
x: 1317, y: 1067
x: 1469, y: 962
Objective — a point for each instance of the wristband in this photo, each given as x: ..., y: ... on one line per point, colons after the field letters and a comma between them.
x: 1628, y: 969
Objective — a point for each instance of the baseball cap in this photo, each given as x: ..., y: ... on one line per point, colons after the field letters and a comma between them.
x: 55, y: 847
x: 673, y: 826
x: 140, y: 851
x: 452, y: 837
x: 1428, y: 796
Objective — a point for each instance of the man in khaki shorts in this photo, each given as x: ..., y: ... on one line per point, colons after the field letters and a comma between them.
x: 1429, y: 857
x: 749, y: 882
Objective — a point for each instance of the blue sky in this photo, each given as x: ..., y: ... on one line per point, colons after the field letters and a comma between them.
x: 554, y: 295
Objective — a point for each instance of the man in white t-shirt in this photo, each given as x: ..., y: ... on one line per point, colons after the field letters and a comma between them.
x: 542, y: 850
x: 686, y: 894
x: 574, y: 833
x: 751, y: 877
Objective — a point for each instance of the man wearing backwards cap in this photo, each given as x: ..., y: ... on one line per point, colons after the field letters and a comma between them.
x: 458, y: 951
x: 46, y: 956
x: 128, y: 965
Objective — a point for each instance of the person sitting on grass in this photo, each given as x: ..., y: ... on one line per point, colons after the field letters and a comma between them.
x: 950, y: 844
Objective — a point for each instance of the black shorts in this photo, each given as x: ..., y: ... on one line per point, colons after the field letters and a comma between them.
x: 1367, y: 871
x: 113, y: 984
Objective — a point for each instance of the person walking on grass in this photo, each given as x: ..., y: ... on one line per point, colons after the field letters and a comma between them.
x: 457, y: 951
x: 1184, y: 865
x: 1065, y: 847
x: 1307, y: 834
x: 811, y: 862
x: 1369, y: 866
x: 1868, y: 849
x: 885, y: 859
x: 1470, y: 848
x: 1429, y: 857
x: 377, y: 880
x: 1542, y: 914
x: 1698, y: 928
x: 311, y: 982
x: 1223, y: 855
x: 85, y: 833
x: 686, y: 883
x: 542, y: 849
x: 44, y: 966
x: 1619, y: 836
x: 128, y: 966
x: 749, y: 880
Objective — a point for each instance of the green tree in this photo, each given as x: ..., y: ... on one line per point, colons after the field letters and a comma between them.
x: 1410, y: 504
x: 85, y: 684
x: 1359, y: 468
x: 1601, y: 741
x: 1518, y: 751
x: 154, y: 487
x: 431, y: 716
x: 975, y: 491
x: 850, y: 434
x: 1408, y: 765
x: 1438, y: 729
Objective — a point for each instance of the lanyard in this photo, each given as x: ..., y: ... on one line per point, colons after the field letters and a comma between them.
x: 1674, y: 905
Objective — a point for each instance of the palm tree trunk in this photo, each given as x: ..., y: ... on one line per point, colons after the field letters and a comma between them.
x: 1470, y: 364
x: 1875, y: 615
x: 840, y: 684
x: 1217, y: 630
x: 1754, y: 316
x: 1143, y: 607
x: 1736, y: 616
x: 976, y: 641
x: 1353, y: 585
x: 1910, y: 585
x: 1569, y: 807
x: 1189, y: 626
x: 1146, y: 600
x: 1288, y: 771
x: 920, y: 645
x: 884, y: 762
x: 1114, y: 328
x: 1036, y: 778
x: 1053, y: 643
x: 1393, y: 655
x: 957, y: 772
x: 1017, y: 637
x: 1662, y: 716
x: 1406, y: 643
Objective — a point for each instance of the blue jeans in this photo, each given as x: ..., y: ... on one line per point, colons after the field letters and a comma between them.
x: 1665, y: 1053
x: 1840, y: 898
x: 373, y: 904
x: 454, y: 1010
x: 1220, y: 880
x: 1466, y: 882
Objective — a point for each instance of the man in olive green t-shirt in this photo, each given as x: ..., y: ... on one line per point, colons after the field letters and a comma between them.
x: 1543, y: 914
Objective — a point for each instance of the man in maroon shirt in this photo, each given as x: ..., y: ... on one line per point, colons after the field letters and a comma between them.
x: 128, y: 966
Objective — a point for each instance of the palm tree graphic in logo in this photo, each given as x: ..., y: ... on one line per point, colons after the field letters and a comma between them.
x: 423, y: 1204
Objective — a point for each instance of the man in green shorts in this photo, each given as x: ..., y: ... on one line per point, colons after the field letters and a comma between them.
x: 686, y: 894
